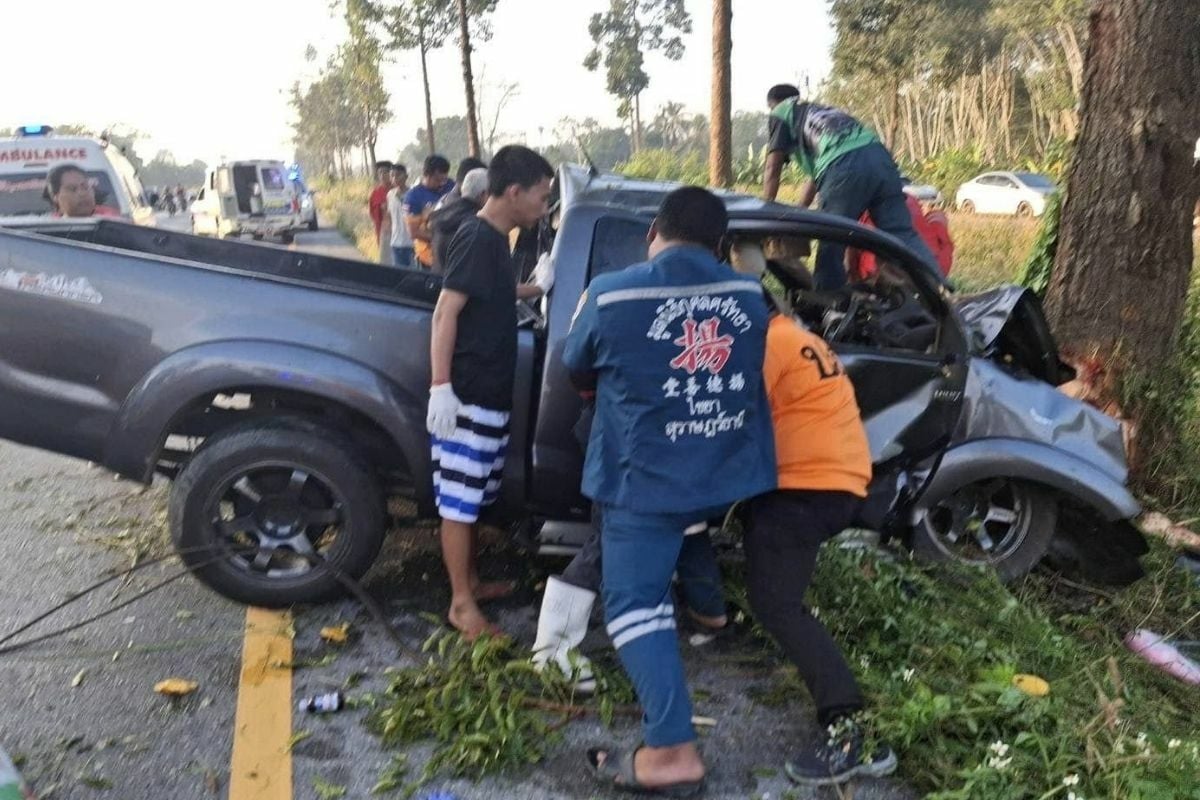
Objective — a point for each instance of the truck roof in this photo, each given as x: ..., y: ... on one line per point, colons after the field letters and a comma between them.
x: 579, y: 184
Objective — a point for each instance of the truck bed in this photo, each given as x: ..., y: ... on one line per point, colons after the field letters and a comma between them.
x: 406, y: 286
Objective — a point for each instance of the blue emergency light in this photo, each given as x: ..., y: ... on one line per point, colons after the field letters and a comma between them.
x: 34, y: 130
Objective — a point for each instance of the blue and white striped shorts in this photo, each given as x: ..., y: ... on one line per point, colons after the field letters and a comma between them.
x: 467, y: 466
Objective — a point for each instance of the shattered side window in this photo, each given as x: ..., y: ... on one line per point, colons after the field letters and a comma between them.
x: 618, y: 243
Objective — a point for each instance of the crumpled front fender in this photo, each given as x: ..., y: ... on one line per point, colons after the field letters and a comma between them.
x: 984, y: 459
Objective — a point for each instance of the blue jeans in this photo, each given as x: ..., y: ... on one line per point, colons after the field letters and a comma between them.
x: 699, y: 575
x: 865, y: 179
x: 402, y: 256
x: 639, y: 554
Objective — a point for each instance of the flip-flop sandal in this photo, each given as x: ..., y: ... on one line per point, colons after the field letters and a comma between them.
x: 617, y: 771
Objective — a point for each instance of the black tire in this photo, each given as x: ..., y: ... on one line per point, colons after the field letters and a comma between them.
x: 313, y: 493
x: 1024, y: 211
x: 312, y: 223
x: 967, y: 207
x: 1011, y: 534
x: 287, y: 237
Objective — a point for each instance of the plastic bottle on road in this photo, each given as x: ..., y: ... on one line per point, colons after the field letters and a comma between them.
x: 11, y: 785
x: 319, y: 704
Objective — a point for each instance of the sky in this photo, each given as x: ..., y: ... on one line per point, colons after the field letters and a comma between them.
x: 212, y: 81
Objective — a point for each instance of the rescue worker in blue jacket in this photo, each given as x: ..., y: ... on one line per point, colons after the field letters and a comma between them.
x: 674, y: 350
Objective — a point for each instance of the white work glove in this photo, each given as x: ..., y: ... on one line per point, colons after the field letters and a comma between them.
x: 443, y: 411
x: 543, y: 274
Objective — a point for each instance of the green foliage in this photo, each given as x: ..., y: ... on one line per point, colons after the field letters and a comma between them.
x: 450, y: 133
x: 665, y: 165
x: 484, y: 706
x: 326, y: 790
x: 936, y: 650
x: 1036, y: 272
x: 948, y: 170
x: 623, y: 35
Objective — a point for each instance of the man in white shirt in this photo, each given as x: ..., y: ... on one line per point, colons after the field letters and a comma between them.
x: 395, y: 232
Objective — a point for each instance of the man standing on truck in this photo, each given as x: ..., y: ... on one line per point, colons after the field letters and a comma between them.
x: 473, y: 357
x: 377, y: 206
x: 845, y: 161
x: 674, y: 350
x: 420, y: 201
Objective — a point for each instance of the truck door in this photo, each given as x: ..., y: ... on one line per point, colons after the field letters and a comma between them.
x: 228, y: 205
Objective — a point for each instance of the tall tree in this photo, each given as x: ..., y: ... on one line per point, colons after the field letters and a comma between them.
x: 1120, y: 276
x: 424, y: 26
x: 621, y: 38
x: 360, y: 58
x: 464, y: 46
x: 720, y: 145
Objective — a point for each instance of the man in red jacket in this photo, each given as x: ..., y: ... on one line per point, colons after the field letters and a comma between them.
x: 377, y: 206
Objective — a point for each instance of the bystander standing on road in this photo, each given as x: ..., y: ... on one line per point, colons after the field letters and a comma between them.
x: 473, y: 352
x: 377, y: 207
x: 395, y: 228
x: 420, y: 201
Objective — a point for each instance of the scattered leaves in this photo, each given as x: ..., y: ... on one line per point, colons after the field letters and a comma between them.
x: 1031, y: 685
x: 336, y: 634
x: 176, y: 687
x: 296, y: 738
x: 97, y: 782
x: 393, y: 777
x: 326, y: 790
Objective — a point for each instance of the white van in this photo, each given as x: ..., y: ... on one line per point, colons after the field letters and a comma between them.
x: 254, y: 198
x: 27, y: 158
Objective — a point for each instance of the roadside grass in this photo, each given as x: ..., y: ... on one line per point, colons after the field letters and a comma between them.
x: 344, y: 204
x: 936, y: 650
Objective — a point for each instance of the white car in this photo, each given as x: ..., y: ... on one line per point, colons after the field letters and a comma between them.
x: 1021, y: 193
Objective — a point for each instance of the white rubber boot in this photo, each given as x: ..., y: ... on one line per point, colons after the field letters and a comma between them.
x: 562, y: 624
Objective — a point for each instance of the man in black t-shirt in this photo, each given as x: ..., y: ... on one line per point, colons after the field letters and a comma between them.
x: 473, y: 355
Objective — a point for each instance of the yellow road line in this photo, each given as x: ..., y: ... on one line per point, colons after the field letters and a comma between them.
x: 261, y: 768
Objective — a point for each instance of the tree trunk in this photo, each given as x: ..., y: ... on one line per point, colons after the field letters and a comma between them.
x: 428, y: 99
x: 720, y: 143
x: 637, y: 122
x: 1120, y: 276
x: 893, y: 113
x: 464, y: 36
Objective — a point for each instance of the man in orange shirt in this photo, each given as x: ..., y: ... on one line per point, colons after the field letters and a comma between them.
x: 824, y: 464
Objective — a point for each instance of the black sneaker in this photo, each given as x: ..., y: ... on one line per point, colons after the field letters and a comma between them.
x: 841, y: 758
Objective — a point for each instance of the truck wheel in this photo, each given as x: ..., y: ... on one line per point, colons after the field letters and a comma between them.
x: 263, y: 500
x: 287, y: 237
x: 1002, y: 522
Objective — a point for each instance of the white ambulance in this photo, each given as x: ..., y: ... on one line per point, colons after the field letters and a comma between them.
x: 247, y: 198
x: 27, y: 158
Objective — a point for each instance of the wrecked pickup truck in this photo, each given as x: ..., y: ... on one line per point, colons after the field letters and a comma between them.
x: 284, y: 393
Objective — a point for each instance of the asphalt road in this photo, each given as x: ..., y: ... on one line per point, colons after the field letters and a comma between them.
x: 81, y: 715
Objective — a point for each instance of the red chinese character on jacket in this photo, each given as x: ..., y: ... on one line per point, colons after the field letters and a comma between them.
x: 702, y: 347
